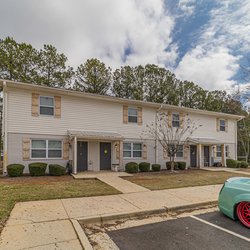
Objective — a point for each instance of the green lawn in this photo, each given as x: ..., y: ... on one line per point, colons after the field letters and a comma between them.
x: 13, y: 190
x: 186, y: 178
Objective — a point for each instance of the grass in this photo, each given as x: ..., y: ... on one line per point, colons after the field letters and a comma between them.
x: 187, y: 178
x: 13, y: 190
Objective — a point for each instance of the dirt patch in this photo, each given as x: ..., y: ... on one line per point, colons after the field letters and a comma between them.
x: 35, y: 179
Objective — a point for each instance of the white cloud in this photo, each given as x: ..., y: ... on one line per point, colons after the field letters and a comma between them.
x: 213, y: 61
x: 85, y: 29
x: 187, y: 7
x: 211, y: 69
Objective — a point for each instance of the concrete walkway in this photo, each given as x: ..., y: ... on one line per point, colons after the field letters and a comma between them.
x: 231, y: 170
x: 48, y: 224
x: 113, y: 179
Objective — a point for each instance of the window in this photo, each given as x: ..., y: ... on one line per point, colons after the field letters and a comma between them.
x: 218, y: 151
x: 46, y: 148
x: 227, y: 150
x: 132, y: 115
x: 179, y: 151
x: 132, y: 150
x: 222, y: 125
x: 46, y: 105
x: 175, y: 120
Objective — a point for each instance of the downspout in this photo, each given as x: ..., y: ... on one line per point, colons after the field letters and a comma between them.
x: 5, y: 129
x: 236, y: 136
x: 156, y: 140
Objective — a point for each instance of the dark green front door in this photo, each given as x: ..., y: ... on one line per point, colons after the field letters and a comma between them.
x: 105, y: 156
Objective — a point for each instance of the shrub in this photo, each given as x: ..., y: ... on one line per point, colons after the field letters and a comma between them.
x: 15, y: 170
x: 243, y: 164
x: 131, y: 167
x: 168, y: 165
x: 144, y: 166
x: 156, y: 167
x: 37, y: 168
x: 55, y: 169
x: 238, y: 164
x: 182, y: 165
x: 231, y: 163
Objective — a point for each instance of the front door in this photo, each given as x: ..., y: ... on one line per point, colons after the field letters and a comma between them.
x: 82, y: 156
x: 206, y: 156
x: 105, y: 156
x: 193, y: 156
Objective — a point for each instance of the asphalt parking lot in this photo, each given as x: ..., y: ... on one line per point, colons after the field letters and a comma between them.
x: 205, y: 231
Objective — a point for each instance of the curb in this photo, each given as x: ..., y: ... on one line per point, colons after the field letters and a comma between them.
x: 195, y: 206
x: 177, y: 209
x: 81, y: 235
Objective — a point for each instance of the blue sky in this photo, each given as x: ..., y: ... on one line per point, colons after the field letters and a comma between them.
x: 205, y: 41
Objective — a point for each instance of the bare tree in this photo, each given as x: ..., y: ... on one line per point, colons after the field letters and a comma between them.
x: 171, y: 135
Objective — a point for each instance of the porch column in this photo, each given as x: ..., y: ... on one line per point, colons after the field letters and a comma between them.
x: 199, y: 156
x: 75, y: 156
x: 121, y: 154
x: 223, y: 155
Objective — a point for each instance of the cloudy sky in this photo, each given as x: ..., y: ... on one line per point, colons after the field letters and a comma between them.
x: 205, y: 41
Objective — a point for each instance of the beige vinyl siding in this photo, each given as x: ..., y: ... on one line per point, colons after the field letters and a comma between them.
x: 76, y: 113
x: 15, y: 149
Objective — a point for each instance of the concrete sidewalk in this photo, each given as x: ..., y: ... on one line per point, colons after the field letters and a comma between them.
x: 48, y: 224
x: 113, y: 179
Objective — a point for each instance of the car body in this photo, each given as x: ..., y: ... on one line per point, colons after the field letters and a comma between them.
x: 234, y: 199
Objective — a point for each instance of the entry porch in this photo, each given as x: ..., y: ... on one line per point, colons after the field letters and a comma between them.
x: 95, y: 150
x: 205, y: 152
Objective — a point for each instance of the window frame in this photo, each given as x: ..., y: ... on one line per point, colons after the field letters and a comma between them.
x: 133, y: 108
x: 227, y: 151
x: 182, y: 151
x: 46, y: 149
x: 173, y: 121
x: 218, y: 151
x: 132, y: 150
x: 46, y: 106
x: 222, y: 126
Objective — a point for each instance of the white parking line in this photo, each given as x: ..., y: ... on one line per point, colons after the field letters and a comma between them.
x: 221, y: 228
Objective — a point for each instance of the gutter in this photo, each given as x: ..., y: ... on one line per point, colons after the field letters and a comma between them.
x: 5, y: 128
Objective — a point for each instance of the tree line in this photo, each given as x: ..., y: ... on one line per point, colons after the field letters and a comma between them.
x: 22, y: 62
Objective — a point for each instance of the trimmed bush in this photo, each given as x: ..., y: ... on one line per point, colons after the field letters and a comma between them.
x: 144, y: 166
x: 182, y: 165
x: 232, y: 163
x: 37, y: 168
x: 156, y: 167
x: 55, y: 169
x: 131, y: 167
x: 243, y: 164
x: 15, y: 170
x: 238, y: 164
x: 168, y: 165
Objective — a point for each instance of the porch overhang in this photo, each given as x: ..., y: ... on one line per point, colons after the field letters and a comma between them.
x: 94, y: 135
x: 205, y: 141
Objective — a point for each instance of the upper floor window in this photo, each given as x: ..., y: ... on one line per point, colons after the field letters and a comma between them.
x: 132, y: 115
x: 222, y: 125
x: 175, y: 120
x: 132, y: 150
x: 46, y: 105
x: 41, y: 148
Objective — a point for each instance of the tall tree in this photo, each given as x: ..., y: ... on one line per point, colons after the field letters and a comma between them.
x: 128, y: 82
x: 160, y: 85
x: 94, y: 77
x: 17, y: 61
x: 52, y: 69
